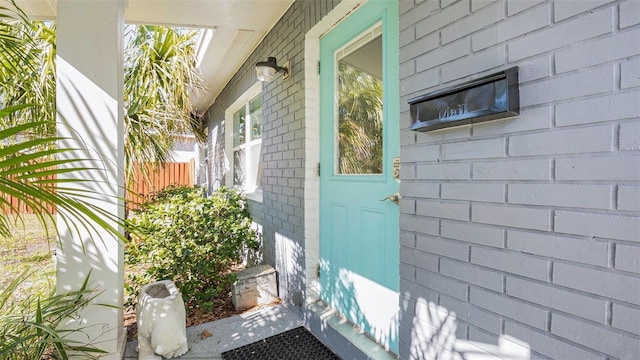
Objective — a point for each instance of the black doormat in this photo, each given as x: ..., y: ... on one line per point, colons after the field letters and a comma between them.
x: 296, y: 344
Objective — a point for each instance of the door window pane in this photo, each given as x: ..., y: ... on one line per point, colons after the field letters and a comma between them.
x: 359, y: 108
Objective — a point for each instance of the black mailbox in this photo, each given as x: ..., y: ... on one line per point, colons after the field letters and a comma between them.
x: 492, y: 97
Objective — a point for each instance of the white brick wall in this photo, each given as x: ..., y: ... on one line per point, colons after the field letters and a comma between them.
x: 555, y: 297
x: 476, y: 275
x: 551, y: 347
x: 562, y: 34
x: 614, y: 167
x: 626, y: 318
x: 630, y: 134
x: 629, y: 14
x: 594, y: 336
x: 473, y: 233
x: 587, y: 251
x: 537, y: 169
x: 628, y: 198
x: 511, y: 28
x: 557, y: 142
x: 561, y: 195
x: 528, y: 226
x: 619, y: 106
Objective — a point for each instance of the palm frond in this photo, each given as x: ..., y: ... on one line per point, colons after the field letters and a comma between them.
x: 27, y: 69
x: 159, y: 74
x: 30, y: 172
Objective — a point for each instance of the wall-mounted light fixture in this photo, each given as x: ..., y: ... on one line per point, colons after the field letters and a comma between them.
x: 267, y: 70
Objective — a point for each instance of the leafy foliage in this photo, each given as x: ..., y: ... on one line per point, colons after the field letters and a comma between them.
x: 28, y: 329
x: 191, y: 239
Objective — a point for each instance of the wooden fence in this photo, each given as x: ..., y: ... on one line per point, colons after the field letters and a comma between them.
x: 176, y: 173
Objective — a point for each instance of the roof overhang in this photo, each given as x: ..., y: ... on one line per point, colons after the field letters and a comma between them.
x: 231, y: 31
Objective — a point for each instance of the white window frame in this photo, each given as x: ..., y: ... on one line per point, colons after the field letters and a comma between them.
x: 254, y: 193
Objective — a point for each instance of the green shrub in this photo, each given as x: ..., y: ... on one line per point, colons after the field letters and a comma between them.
x: 188, y: 238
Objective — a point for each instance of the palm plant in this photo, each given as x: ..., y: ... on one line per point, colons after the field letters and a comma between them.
x: 160, y: 73
x: 30, y: 334
x: 27, y: 69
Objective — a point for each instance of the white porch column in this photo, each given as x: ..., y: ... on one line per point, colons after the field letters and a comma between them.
x: 90, y: 100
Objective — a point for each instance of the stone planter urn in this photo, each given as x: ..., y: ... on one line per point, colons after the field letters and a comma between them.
x: 161, y: 321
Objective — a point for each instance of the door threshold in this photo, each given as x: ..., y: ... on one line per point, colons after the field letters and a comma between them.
x: 339, y: 334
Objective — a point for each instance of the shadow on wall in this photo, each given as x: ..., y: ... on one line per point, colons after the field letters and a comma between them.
x: 433, y: 336
x: 289, y: 260
x: 86, y: 118
x: 250, y: 257
x: 217, y: 162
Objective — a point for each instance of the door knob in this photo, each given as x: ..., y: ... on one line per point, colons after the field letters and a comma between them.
x: 395, y: 198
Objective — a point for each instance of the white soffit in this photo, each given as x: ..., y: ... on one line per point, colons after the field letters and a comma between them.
x: 38, y: 9
x: 235, y: 45
x: 235, y: 29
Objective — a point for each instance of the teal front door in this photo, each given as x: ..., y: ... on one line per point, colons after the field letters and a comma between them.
x: 359, y: 141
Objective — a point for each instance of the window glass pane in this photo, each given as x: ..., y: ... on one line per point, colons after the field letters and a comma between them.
x: 359, y: 110
x: 239, y: 127
x: 256, y: 168
x: 239, y: 176
x: 247, y: 133
x: 255, y: 108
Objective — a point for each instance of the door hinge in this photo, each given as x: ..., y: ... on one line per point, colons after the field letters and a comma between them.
x: 318, y: 170
x: 318, y: 67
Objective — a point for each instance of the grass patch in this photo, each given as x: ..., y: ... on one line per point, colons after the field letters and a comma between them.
x: 29, y: 247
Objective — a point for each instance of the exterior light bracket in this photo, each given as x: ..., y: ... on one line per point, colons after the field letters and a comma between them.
x: 267, y: 70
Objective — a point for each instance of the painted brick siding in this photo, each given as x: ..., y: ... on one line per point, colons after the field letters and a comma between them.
x: 280, y: 215
x: 528, y: 226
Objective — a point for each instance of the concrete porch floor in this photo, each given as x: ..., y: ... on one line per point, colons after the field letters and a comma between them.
x: 232, y: 332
